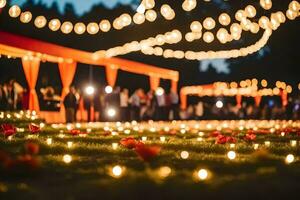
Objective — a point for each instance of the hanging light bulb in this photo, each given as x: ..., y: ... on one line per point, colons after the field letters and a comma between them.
x: 66, y: 27
x: 222, y: 35
x: 26, y: 17
x: 40, y: 21
x: 139, y: 18
x: 224, y: 19
x: 105, y: 25
x: 79, y: 28
x: 92, y: 28
x: 240, y: 14
x: 149, y: 4
x: 250, y: 11
x: 14, y: 11
x: 266, y: 4
x: 151, y: 15
x: 117, y: 24
x: 2, y: 3
x: 189, y: 5
x: 208, y: 37
x: 190, y: 37
x: 209, y: 23
x: 54, y: 24
x: 126, y: 19
x: 264, y: 22
x: 196, y: 27
x: 167, y: 12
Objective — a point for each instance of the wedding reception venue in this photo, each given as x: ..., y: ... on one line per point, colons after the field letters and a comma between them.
x: 149, y: 99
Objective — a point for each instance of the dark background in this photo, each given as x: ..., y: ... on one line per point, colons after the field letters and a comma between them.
x: 280, y: 63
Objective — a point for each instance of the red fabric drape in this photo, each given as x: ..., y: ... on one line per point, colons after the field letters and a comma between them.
x: 67, y: 72
x: 257, y: 100
x: 154, y: 82
x: 239, y: 100
x: 111, y: 74
x: 174, y: 86
x: 31, y: 69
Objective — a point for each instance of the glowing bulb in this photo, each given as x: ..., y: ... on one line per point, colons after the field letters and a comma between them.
x: 117, y: 171
x: 202, y: 174
x: 2, y: 3
x: 267, y: 143
x: 144, y: 138
x: 151, y: 15
x: 224, y: 19
x: 66, y: 27
x: 92, y: 28
x: 289, y: 158
x: 184, y: 155
x: 255, y: 146
x: 219, y: 104
x: 40, y: 21
x: 49, y: 141
x: 26, y: 17
x: 54, y: 24
x: 293, y: 143
x: 196, y: 26
x: 159, y: 91
x: 67, y: 158
x: 208, y: 37
x: 14, y: 11
x: 90, y: 90
x: 115, y: 146
x: 164, y: 171
x: 162, y: 139
x: 231, y: 155
x: 111, y: 112
x: 108, y: 89
x: 105, y: 25
x: 209, y: 23
x: 69, y: 144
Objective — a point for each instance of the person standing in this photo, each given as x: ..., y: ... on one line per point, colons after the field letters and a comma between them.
x: 70, y: 103
x: 135, y: 106
x: 174, y: 98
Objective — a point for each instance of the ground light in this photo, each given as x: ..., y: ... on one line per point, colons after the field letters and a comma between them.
x: 89, y: 90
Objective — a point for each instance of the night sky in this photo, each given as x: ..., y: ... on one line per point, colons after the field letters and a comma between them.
x: 279, y: 60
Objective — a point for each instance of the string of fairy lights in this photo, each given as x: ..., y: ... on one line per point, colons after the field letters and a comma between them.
x: 231, y: 29
x: 200, y: 129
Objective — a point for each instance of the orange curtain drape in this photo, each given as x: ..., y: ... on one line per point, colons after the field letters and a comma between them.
x: 174, y: 86
x: 257, y: 100
x: 111, y: 74
x: 284, y: 98
x: 239, y: 100
x: 154, y: 82
x: 67, y: 72
x: 183, y: 99
x: 31, y: 69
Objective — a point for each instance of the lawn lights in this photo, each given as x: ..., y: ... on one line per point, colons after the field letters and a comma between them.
x: 162, y: 138
x: 232, y: 146
x: 49, y: 141
x: 293, y: 143
x: 255, y: 146
x: 289, y: 159
x: 144, y: 138
x: 184, y: 155
x: 202, y: 174
x: 117, y: 171
x: 67, y: 158
x: 267, y: 143
x: 231, y: 155
x: 115, y: 146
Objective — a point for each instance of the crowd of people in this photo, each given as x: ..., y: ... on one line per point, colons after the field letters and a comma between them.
x: 116, y: 104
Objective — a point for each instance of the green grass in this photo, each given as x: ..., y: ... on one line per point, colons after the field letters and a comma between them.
x: 250, y: 175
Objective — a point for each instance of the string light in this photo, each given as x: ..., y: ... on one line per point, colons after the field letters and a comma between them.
x: 202, y: 174
x: 69, y: 144
x: 49, y: 141
x: 26, y: 17
x: 2, y: 3
x: 54, y: 24
x: 14, y: 11
x: 115, y: 146
x: 117, y: 171
x: 66, y: 27
x: 184, y: 155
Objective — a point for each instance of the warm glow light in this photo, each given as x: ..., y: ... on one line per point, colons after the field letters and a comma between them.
x: 49, y: 141
x: 209, y: 23
x: 117, y: 171
x: 219, y: 104
x: 184, y: 155
x: 151, y: 15
x: 14, y: 11
x: 224, y: 19
x: 289, y: 158
x: 231, y: 155
x: 164, y: 172
x: 202, y: 174
x: 105, y: 25
x: 26, y: 17
x: 67, y: 158
x: 79, y: 28
x: 2, y: 3
x: 159, y: 91
x: 111, y: 112
x: 89, y: 90
x: 66, y: 27
x: 69, y: 144
x: 92, y: 28
x: 115, y: 146
x: 54, y: 24
x: 40, y: 22
x: 108, y: 89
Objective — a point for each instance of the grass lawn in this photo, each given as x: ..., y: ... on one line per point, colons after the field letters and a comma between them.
x: 189, y: 160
